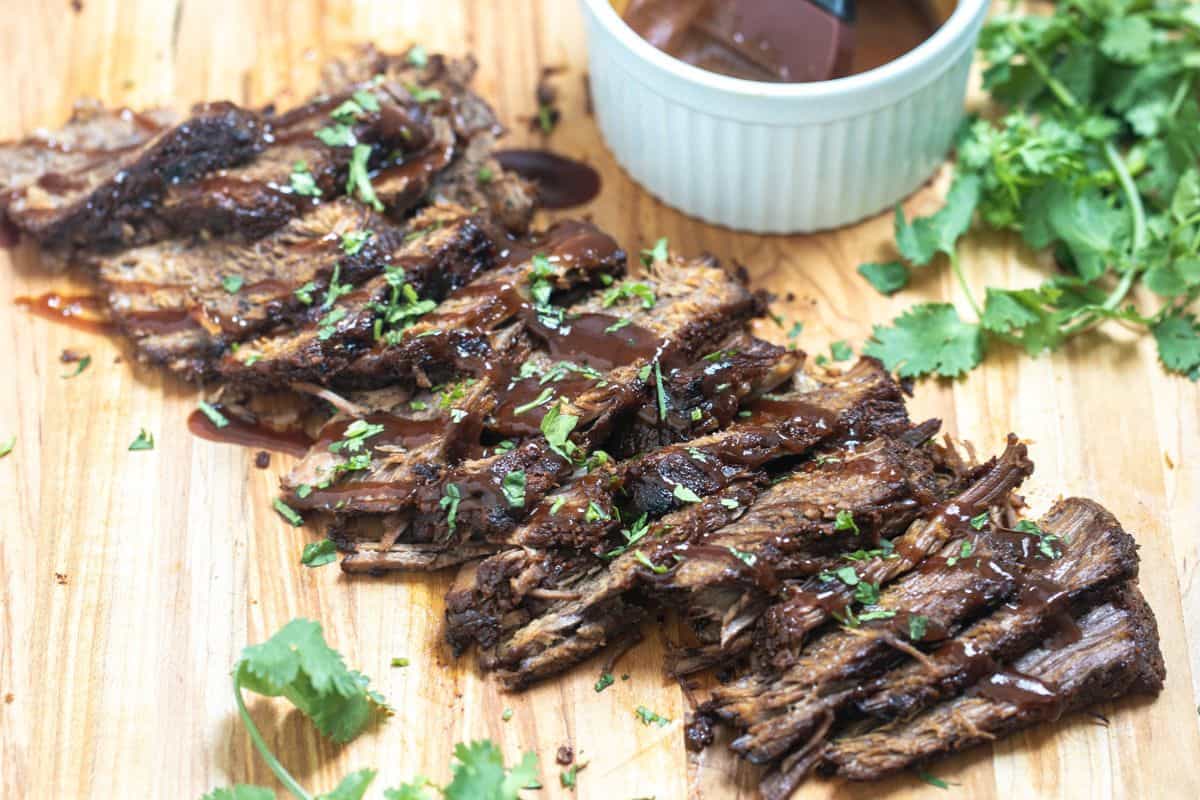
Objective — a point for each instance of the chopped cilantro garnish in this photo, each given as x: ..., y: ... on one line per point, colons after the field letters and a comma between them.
x: 327, y: 327
x: 964, y: 551
x: 570, y: 775
x: 541, y: 400
x: 354, y: 241
x: 366, y: 101
x: 336, y: 288
x: 633, y: 535
x: 557, y: 427
x: 418, y: 405
x: 355, y: 436
x: 303, y: 182
x: 1046, y: 541
x: 557, y: 504
x: 685, y: 495
x: 513, y: 487
x: 657, y: 254
x: 232, y: 283
x: 449, y: 504
x: 215, y: 416
x: 400, y: 661
x: 660, y: 391
x: 7, y: 446
x: 595, y: 513
x: 845, y: 522
x: 485, y: 175
x: 305, y: 293
x: 318, y: 554
x: 288, y: 513
x: 796, y: 330
x: 144, y: 441
x: 83, y: 363
x: 630, y: 290
x: 649, y: 717
x: 917, y: 626
x: 417, y: 56
x: 616, y: 326
x: 606, y: 680
x: 749, y: 559
x: 424, y: 94
x: 866, y: 593
x: 932, y: 780
x: 840, y: 351
x: 358, y: 181
x: 337, y: 135
x: 870, y: 616
x: 506, y: 714
x: 980, y: 520
x: 642, y: 559
x: 730, y: 503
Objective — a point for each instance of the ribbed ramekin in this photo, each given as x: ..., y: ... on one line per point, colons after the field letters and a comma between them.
x: 778, y: 158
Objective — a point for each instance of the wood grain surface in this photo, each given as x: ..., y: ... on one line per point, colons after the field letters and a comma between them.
x: 131, y: 580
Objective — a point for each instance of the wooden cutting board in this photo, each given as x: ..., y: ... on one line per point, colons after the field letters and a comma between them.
x: 131, y: 580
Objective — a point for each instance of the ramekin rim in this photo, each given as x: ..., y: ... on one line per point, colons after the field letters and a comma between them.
x: 911, y: 63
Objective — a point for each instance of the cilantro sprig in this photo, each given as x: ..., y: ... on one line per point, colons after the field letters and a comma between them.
x: 1095, y: 164
x: 298, y: 664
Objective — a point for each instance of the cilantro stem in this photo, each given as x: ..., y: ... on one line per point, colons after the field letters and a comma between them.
x: 956, y: 265
x: 1138, y: 212
x: 1039, y: 66
x: 260, y: 744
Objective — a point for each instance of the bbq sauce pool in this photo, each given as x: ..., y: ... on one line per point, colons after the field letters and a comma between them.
x: 711, y: 37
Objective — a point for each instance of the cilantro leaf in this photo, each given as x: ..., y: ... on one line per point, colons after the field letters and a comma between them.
x: 927, y: 339
x: 7, y: 446
x: 887, y: 278
x: 479, y: 772
x: 240, y: 792
x: 298, y: 664
x: 1129, y: 40
x: 352, y: 787
x: 923, y: 238
x: 1178, y: 337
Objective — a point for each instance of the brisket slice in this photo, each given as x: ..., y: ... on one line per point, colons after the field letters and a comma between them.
x: 1096, y: 553
x: 542, y: 467
x: 807, y: 606
x: 453, y: 339
x: 1116, y: 653
x: 255, y: 198
x: 780, y: 711
x: 864, y: 402
x: 724, y: 579
x: 584, y: 514
x: 90, y: 184
x: 697, y: 543
x: 565, y: 373
x: 592, y: 604
x: 171, y: 297
x: 451, y: 77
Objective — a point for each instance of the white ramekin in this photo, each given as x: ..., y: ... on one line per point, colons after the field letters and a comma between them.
x: 778, y: 158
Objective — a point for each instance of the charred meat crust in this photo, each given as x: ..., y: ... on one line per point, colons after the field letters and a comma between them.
x: 1116, y: 653
x: 91, y: 186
